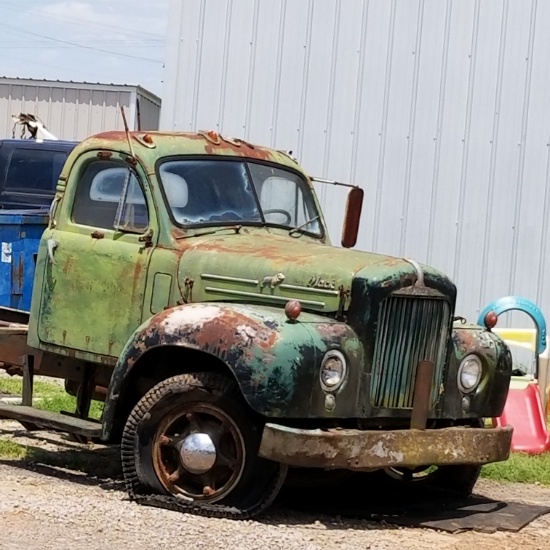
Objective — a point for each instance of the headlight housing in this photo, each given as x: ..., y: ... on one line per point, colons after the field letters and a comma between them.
x: 469, y: 373
x: 333, y: 370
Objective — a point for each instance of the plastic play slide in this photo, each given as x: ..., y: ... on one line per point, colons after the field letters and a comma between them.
x: 527, y: 404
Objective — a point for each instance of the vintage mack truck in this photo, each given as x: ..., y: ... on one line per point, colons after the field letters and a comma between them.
x: 187, y: 280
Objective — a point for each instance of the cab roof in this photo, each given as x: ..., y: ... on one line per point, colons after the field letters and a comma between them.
x: 148, y: 146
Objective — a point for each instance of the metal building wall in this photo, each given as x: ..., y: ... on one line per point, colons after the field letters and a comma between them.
x: 72, y: 110
x: 439, y: 108
x: 147, y: 111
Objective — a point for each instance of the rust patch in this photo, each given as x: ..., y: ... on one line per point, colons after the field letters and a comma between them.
x: 189, y: 283
x: 333, y: 331
x: 465, y: 339
x: 178, y: 233
x: 138, y: 270
x: 20, y: 273
x: 111, y: 135
x: 267, y: 251
x: 240, y: 151
x: 231, y: 328
x: 68, y: 265
x: 230, y: 335
x: 226, y: 146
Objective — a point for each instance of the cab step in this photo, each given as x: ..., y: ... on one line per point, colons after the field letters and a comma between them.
x: 51, y: 420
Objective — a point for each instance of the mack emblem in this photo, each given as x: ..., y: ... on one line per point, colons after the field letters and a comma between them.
x: 317, y: 282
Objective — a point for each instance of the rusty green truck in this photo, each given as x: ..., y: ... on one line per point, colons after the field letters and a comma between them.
x: 187, y: 280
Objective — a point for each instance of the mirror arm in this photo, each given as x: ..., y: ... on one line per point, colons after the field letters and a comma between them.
x: 332, y: 182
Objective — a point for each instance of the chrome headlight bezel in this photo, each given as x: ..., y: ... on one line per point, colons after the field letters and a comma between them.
x: 468, y: 362
x: 333, y: 355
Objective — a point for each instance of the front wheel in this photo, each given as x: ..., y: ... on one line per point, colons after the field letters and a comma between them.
x: 191, y: 437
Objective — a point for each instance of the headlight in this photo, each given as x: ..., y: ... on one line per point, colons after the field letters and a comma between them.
x: 469, y: 373
x: 333, y: 370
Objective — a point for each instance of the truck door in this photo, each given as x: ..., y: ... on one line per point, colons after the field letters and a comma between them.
x: 98, y: 254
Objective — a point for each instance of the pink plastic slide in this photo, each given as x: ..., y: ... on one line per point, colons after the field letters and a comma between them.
x: 525, y: 412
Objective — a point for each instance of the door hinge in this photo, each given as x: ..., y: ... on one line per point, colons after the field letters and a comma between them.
x: 147, y: 238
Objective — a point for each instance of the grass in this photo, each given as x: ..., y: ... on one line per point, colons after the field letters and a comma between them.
x: 14, y: 384
x: 99, y: 462
x: 12, y: 451
x: 520, y: 468
x: 49, y: 396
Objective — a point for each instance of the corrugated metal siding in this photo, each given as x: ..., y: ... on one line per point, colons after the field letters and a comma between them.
x: 73, y: 111
x: 149, y: 114
x: 439, y: 109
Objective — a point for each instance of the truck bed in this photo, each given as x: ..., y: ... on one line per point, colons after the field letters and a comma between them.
x: 14, y: 328
x: 10, y: 316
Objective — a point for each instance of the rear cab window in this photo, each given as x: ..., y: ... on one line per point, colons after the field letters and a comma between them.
x: 34, y: 169
x: 29, y: 172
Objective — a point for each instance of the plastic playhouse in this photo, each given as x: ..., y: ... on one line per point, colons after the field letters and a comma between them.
x: 528, y: 403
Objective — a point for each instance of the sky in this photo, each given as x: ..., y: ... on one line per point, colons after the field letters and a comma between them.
x: 105, y: 41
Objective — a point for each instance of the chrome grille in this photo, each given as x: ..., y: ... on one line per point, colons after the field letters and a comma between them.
x: 410, y: 329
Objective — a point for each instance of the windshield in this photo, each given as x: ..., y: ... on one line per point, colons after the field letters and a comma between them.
x: 221, y: 192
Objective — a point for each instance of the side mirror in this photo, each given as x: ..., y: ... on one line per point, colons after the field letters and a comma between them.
x: 354, y: 206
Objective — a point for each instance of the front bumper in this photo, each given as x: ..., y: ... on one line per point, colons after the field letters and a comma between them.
x: 366, y: 449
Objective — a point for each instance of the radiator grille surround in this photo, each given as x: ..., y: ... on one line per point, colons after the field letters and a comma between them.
x: 410, y: 329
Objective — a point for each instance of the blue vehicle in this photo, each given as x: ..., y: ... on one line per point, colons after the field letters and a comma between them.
x: 29, y: 170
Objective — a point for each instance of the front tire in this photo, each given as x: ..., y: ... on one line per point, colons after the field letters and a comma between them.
x: 192, y: 437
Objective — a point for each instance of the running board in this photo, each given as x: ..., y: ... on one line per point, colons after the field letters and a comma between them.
x: 51, y: 420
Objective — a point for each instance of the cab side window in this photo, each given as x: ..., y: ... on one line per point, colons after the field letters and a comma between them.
x: 109, y: 196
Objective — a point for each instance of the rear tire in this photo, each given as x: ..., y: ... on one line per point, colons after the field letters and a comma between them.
x: 191, y: 436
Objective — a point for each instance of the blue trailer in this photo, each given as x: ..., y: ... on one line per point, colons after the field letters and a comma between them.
x: 20, y: 232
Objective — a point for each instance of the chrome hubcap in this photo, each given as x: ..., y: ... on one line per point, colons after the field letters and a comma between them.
x: 197, y: 453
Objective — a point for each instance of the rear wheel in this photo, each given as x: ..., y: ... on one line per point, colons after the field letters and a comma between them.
x: 191, y: 437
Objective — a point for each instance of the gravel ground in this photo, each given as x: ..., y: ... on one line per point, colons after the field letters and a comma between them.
x: 46, y: 507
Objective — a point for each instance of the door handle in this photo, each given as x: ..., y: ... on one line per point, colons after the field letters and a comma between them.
x: 52, y: 245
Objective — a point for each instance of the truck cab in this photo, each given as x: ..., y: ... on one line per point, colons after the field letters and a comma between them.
x: 188, y: 280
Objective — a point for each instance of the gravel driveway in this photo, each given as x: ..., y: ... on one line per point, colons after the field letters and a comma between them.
x: 48, y: 507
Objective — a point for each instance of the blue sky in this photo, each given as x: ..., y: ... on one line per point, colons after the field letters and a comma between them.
x: 107, y: 41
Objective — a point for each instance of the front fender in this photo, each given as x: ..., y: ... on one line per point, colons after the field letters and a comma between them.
x: 274, y: 361
x: 490, y: 396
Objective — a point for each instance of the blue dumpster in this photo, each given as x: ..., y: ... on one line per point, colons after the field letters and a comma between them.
x: 20, y: 232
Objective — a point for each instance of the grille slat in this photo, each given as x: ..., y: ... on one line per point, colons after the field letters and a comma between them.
x: 410, y: 329
x: 400, y: 351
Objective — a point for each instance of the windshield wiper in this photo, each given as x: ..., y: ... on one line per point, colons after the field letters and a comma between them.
x: 299, y: 227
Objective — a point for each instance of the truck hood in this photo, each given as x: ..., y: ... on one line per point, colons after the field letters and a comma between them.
x: 272, y: 269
